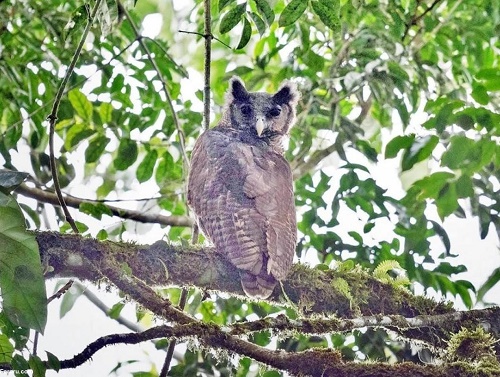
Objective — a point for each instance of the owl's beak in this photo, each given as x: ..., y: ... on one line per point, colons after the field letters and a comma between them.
x: 259, y: 126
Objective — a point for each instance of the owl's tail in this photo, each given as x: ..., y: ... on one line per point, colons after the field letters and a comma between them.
x: 258, y: 286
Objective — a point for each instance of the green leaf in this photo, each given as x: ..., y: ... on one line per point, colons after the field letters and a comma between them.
x: 105, y: 112
x: 146, y: 167
x: 76, y: 133
x: 488, y: 74
x: 432, y: 185
x: 37, y: 366
x: 364, y: 147
x: 313, y: 60
x: 444, y: 114
x: 95, y: 210
x: 81, y: 104
x: 292, y: 12
x: 465, y: 188
x: 397, y: 144
x: 265, y: 10
x: 10, y: 180
x: 492, y: 85
x: 492, y: 280
x: 328, y: 12
x: 484, y: 220
x: 115, y: 310
x: 95, y: 149
x: 232, y: 18
x: 259, y: 23
x: 465, y: 153
x: 21, y: 279
x: 127, y: 154
x: 447, y: 200
x: 464, y: 288
x: 224, y: 3
x: 420, y: 149
x: 480, y: 94
x: 53, y: 362
x: 245, y: 35
x: 69, y: 298
x: 442, y: 234
x: 6, y: 349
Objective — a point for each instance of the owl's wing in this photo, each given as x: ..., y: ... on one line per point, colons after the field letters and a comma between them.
x: 269, y: 182
x: 224, y: 213
x: 243, y: 201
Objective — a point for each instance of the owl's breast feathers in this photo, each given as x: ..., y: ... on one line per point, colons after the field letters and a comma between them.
x: 242, y: 196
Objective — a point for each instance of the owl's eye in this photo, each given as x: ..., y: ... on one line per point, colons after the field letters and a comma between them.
x: 274, y: 112
x: 246, y: 109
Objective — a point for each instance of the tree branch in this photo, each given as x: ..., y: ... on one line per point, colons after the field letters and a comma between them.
x: 129, y: 214
x: 135, y: 268
x: 163, y: 264
x: 315, y: 362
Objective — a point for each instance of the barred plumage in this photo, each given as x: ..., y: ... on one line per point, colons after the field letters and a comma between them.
x: 240, y: 186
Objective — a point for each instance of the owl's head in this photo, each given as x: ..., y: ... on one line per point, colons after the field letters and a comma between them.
x: 261, y: 115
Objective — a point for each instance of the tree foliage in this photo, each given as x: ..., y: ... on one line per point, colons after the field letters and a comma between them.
x: 402, y: 83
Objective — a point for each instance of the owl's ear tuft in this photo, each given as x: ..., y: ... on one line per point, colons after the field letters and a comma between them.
x: 237, y: 91
x: 287, y: 93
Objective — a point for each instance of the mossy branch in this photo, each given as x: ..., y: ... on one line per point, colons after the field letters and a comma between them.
x: 134, y: 269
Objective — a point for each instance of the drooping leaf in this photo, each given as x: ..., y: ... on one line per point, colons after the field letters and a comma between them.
x: 37, y: 366
x: 480, y: 94
x: 95, y: 210
x: 53, y: 362
x: 397, y: 144
x: 127, y: 154
x: 265, y: 10
x: 492, y: 280
x: 69, y: 298
x: 105, y: 112
x: 259, y: 23
x: 447, y: 200
x: 21, y: 280
x: 441, y: 232
x: 146, y: 167
x: 224, y: 3
x: 9, y: 180
x: 95, y: 149
x: 292, y: 12
x: 231, y: 18
x: 6, y: 349
x: 328, y: 12
x: 116, y: 309
x: 420, y: 149
x: 245, y: 35
x: 81, y: 104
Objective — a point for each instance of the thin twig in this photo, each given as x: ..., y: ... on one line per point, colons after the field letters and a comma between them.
x: 61, y: 291
x: 53, y: 116
x: 208, y: 61
x: 415, y: 19
x: 71, y: 201
x: 205, y: 36
x: 180, y: 132
x: 173, y: 342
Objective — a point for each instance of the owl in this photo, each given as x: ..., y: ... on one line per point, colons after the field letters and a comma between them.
x: 240, y: 186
